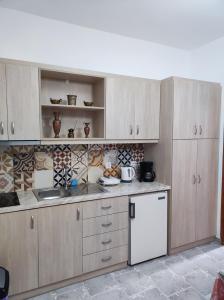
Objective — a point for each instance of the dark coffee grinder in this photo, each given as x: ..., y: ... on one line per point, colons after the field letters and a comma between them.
x: 146, y: 171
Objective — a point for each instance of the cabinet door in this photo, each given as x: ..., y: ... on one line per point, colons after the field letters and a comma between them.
x: 209, y: 104
x: 147, y: 108
x: 120, y: 94
x: 19, y: 249
x: 3, y: 105
x: 183, y: 192
x: 184, y: 110
x: 60, y: 243
x: 207, y: 171
x: 23, y: 102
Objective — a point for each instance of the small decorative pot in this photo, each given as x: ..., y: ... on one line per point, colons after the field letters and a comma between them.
x: 86, y: 129
x: 71, y: 99
x: 71, y: 133
x: 56, y: 124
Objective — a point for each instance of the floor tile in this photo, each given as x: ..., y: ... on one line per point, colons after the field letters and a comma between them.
x: 99, y: 284
x: 206, y: 263
x: 169, y: 283
x: 191, y: 253
x: 151, y: 267
x: 114, y: 294
x: 201, y: 281
x: 180, y: 265
x: 188, y: 294
x: 217, y: 254
x: 150, y: 294
x: 76, y: 292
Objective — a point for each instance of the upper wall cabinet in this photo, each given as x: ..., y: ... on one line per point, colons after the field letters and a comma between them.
x: 3, y: 105
x: 23, y: 102
x: 196, y: 109
x: 132, y: 108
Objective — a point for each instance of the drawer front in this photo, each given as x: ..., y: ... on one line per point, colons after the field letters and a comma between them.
x: 103, y: 207
x: 105, y: 241
x: 105, y: 224
x: 104, y: 259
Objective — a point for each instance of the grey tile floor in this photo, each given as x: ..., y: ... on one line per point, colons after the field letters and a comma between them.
x: 189, y: 275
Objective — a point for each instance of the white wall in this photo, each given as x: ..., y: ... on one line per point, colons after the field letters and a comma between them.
x: 28, y: 37
x: 208, y: 64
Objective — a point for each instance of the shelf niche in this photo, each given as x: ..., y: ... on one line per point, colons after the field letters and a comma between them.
x: 58, y: 85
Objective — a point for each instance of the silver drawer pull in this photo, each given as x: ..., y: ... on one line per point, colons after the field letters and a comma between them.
x: 105, y: 259
x: 106, y: 207
x: 195, y: 130
x: 12, y: 127
x: 32, y: 222
x: 2, y: 128
x: 200, y: 130
x: 106, y: 242
x: 106, y: 224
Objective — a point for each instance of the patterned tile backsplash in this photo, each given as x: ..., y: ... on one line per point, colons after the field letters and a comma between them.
x: 27, y: 167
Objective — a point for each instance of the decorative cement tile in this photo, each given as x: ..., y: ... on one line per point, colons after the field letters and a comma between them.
x: 6, y: 163
x: 110, y: 156
x: 6, y: 182
x: 169, y: 283
x: 94, y: 173
x: 23, y: 181
x: 61, y: 158
x: 95, y: 155
x: 188, y: 294
x: 137, y: 153
x: 43, y: 148
x: 114, y: 171
x: 59, y: 176
x: 21, y: 149
x: 124, y: 157
x: 43, y: 161
x: 43, y: 179
x: 108, y: 147
x: 201, y: 281
x: 23, y: 162
x: 79, y: 163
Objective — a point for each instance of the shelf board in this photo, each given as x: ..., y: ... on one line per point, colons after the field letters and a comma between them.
x: 58, y: 141
x: 72, y: 107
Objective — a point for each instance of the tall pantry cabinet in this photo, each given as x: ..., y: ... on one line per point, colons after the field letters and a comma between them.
x: 187, y: 158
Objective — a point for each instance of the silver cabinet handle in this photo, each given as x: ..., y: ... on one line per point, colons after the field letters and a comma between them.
x: 106, y: 207
x: 137, y: 130
x: 106, y: 242
x: 199, y: 179
x: 2, y: 128
x: 12, y: 127
x: 131, y: 130
x: 105, y: 259
x: 194, y: 179
x: 195, y: 130
x: 78, y: 214
x: 106, y: 224
x: 32, y: 222
x: 200, y: 130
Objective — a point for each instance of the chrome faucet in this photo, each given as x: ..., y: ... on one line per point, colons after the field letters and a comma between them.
x: 65, y: 175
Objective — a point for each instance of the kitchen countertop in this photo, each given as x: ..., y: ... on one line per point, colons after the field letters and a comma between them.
x: 29, y: 201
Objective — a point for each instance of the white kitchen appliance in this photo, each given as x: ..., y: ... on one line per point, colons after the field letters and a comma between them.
x: 127, y: 174
x: 147, y: 227
x: 109, y: 181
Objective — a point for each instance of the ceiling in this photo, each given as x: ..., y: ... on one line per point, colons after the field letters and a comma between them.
x: 185, y: 24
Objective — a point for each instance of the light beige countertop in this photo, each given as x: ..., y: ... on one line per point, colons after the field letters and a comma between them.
x: 28, y: 200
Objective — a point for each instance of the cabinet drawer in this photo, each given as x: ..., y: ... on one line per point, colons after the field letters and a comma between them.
x: 103, y: 207
x: 105, y: 241
x: 104, y: 259
x: 105, y: 224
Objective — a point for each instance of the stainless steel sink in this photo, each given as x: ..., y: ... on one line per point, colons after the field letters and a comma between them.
x: 57, y: 193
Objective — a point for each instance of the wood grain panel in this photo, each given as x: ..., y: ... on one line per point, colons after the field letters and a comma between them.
x: 3, y: 105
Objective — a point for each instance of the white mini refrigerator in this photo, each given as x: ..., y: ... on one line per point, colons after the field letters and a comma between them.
x: 147, y: 227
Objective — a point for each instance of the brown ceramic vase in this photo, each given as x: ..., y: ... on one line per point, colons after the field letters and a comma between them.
x: 56, y: 124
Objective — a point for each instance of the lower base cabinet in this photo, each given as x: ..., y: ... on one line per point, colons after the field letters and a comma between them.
x: 60, y: 243
x: 19, y: 249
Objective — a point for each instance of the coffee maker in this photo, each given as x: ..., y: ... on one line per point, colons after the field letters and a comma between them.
x: 146, y: 171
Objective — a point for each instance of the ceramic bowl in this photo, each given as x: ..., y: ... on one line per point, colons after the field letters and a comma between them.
x: 88, y: 103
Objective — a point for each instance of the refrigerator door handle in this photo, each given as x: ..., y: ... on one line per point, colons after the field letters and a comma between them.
x: 131, y: 210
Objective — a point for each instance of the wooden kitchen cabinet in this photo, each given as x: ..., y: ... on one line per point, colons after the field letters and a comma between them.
x: 196, y: 109
x: 207, y: 181
x: 60, y: 243
x: 19, y: 249
x: 183, y: 215
x: 208, y: 109
x: 3, y: 105
x: 23, y: 102
x: 132, y: 108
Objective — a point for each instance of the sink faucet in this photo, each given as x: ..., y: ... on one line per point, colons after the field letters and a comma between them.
x: 66, y: 180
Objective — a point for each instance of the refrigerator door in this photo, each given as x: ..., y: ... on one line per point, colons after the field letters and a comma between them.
x: 148, y: 227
